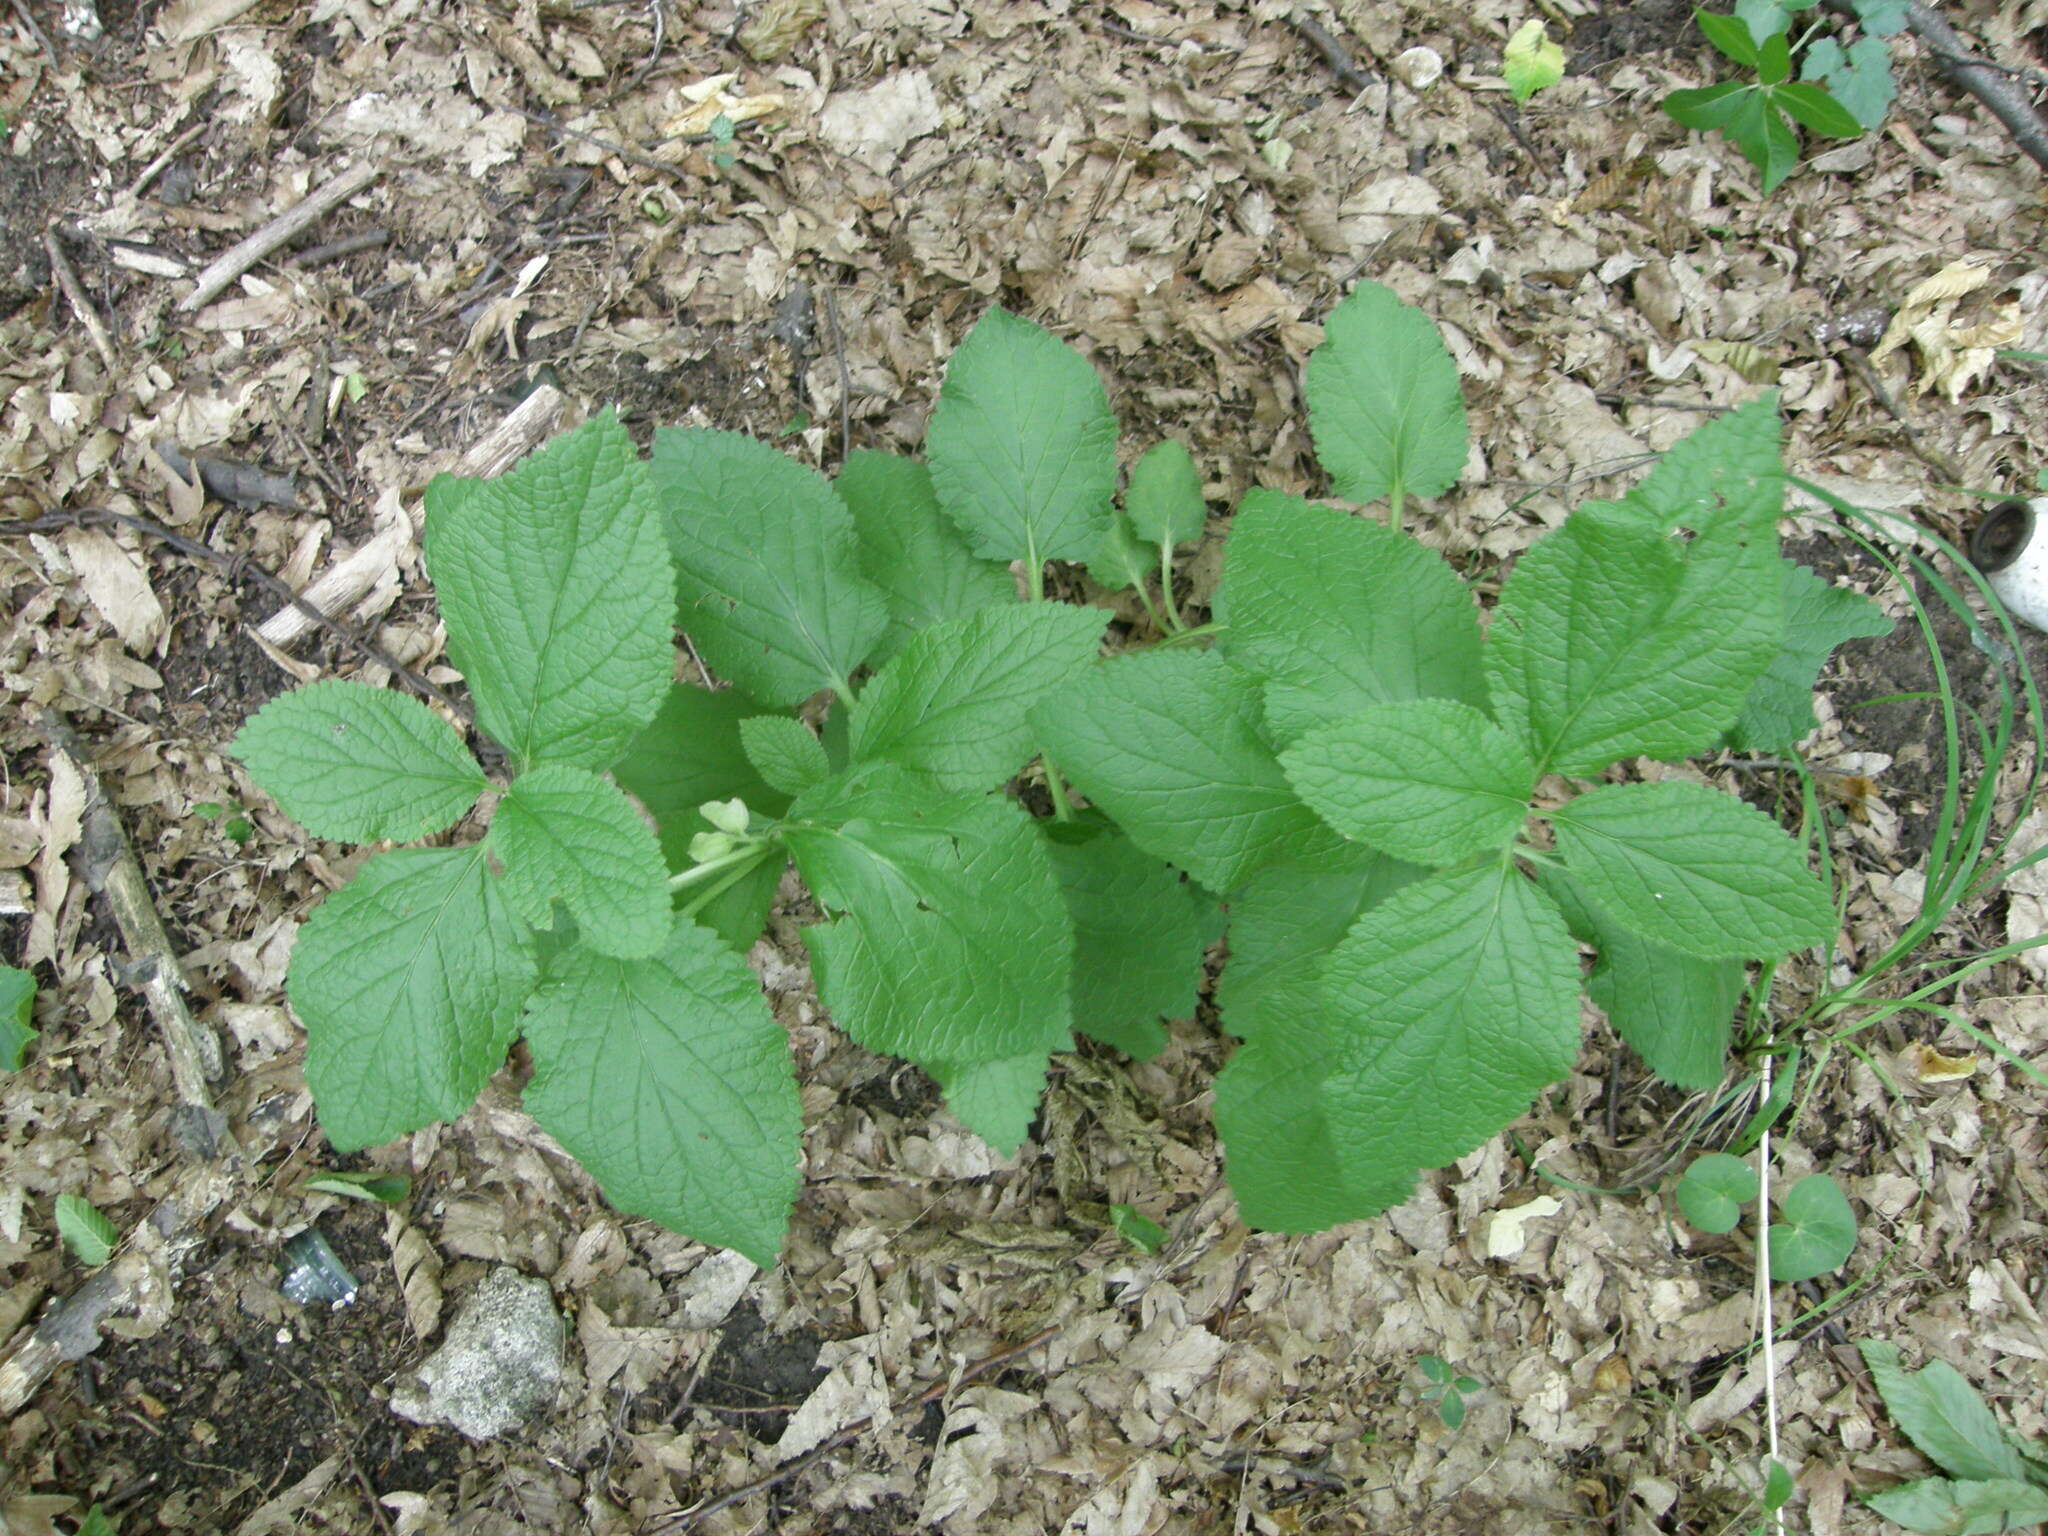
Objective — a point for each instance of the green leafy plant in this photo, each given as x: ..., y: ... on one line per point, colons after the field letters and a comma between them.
x: 1531, y: 61
x: 1815, y: 1238
x: 1137, y: 1229
x: 1843, y: 91
x: 86, y: 1231
x: 1447, y: 1390
x: 1397, y: 807
x: 17, y: 1016
x: 1994, y: 1483
x: 234, y: 826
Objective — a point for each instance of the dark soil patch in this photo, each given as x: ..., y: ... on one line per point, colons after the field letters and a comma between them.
x: 760, y: 1374
x: 1629, y: 31
x: 192, y: 1429
x: 34, y: 189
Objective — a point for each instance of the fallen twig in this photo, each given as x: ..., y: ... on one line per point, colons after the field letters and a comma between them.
x: 28, y: 19
x: 1342, y: 65
x: 685, y: 1519
x: 246, y: 485
x: 342, y: 585
x: 110, y: 868
x: 335, y: 250
x: 74, y: 295
x: 224, y: 269
x: 1986, y: 82
x: 156, y: 167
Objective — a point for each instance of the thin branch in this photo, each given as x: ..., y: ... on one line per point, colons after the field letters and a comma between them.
x: 1342, y: 65
x: 81, y: 306
x: 301, y: 216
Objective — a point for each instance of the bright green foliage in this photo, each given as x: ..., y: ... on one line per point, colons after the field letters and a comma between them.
x: 1672, y: 1009
x: 1693, y: 869
x: 1383, y: 400
x: 1137, y: 1229
x: 949, y: 942
x: 360, y: 764
x: 1715, y: 1189
x: 96, y: 1523
x: 1164, y: 499
x: 784, y: 752
x: 770, y: 583
x: 1431, y: 781
x: 691, y: 754
x: 1023, y: 445
x: 564, y: 833
x: 555, y: 589
x: 1346, y: 774
x: 1818, y: 1233
x: 1170, y: 743
x: 86, y: 1231
x: 1994, y: 1482
x: 1614, y: 640
x: 1531, y: 62
x: 1446, y: 1391
x: 912, y: 550
x: 952, y: 705
x: 1841, y: 93
x: 1335, y: 614
x: 409, y: 981
x: 1139, y: 933
x: 1818, y: 617
x: 670, y: 1081
x: 17, y: 1016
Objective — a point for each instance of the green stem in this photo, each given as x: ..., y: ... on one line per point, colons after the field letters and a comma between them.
x: 1396, y: 499
x: 697, y: 874
x: 718, y: 888
x: 1035, y: 570
x: 1174, y: 625
x: 1062, y: 807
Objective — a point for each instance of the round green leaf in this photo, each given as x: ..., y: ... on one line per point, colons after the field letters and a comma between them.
x: 1817, y: 1234
x: 1714, y: 1190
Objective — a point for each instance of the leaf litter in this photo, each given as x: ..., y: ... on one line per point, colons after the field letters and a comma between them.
x: 1182, y: 191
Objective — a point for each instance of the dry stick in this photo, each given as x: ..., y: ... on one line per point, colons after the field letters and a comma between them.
x: 845, y: 378
x: 1860, y: 363
x: 1986, y: 82
x: 309, y: 211
x: 138, y: 1280
x: 156, y: 167
x: 853, y: 1432
x: 344, y: 584
x: 334, y: 250
x: 1342, y: 65
x: 110, y: 868
x: 81, y: 306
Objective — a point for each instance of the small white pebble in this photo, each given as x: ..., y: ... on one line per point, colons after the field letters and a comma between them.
x: 1419, y: 68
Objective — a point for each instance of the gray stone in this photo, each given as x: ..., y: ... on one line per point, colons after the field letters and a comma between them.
x: 500, y: 1364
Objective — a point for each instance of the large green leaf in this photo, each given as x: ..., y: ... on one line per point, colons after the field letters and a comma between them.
x: 17, y: 1016
x: 692, y: 752
x: 766, y: 566
x: 1023, y: 445
x: 556, y: 591
x: 1693, y: 869
x: 1286, y: 1159
x: 1170, y: 743
x: 950, y: 942
x: 1672, y: 1009
x: 564, y: 833
x: 1140, y: 931
x: 1944, y: 1508
x: 670, y: 1081
x: 1818, y: 617
x: 1164, y: 499
x: 360, y: 764
x: 1383, y: 400
x: 1286, y: 917
x: 912, y: 550
x: 1614, y: 640
x: 951, y: 707
x: 1338, y: 614
x: 409, y: 981
x: 1731, y: 468
x: 1430, y: 781
x: 1946, y: 1418
x: 1459, y: 999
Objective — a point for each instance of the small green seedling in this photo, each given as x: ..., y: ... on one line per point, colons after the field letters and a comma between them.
x: 1842, y: 91
x: 1349, y: 771
x: 1995, y: 1482
x: 1447, y: 1390
x: 1816, y: 1236
x: 97, y: 1523
x: 1141, y: 1232
x: 90, y: 1236
x: 385, y: 1188
x: 234, y: 826
x: 17, y: 1016
x: 1532, y: 62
